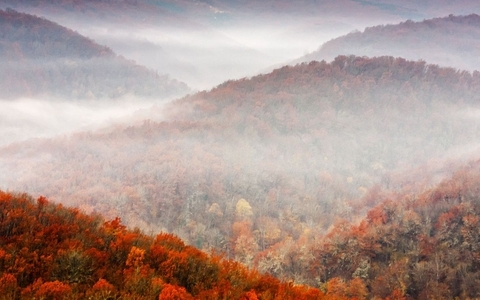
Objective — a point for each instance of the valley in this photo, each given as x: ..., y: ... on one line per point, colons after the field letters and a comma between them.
x: 206, y: 150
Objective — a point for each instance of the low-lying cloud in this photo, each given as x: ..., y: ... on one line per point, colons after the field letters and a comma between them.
x: 24, y: 119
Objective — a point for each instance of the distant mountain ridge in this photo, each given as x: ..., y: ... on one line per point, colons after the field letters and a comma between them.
x: 44, y: 59
x: 451, y: 41
x: 26, y: 36
x: 174, y: 25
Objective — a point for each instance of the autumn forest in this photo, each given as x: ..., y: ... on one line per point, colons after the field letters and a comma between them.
x: 186, y: 150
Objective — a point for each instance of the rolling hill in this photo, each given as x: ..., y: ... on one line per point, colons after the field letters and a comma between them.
x: 43, y: 59
x: 265, y: 160
x: 358, y: 176
x: 411, y: 246
x: 224, y: 39
x: 451, y: 41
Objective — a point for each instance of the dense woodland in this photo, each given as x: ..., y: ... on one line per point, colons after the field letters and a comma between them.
x: 418, y: 247
x: 43, y: 59
x: 257, y: 166
x: 356, y: 178
x: 423, y: 246
x: 450, y: 41
x: 48, y: 251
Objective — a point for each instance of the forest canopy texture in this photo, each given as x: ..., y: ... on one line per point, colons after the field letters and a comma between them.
x: 51, y: 252
x: 408, y: 247
x: 261, y: 168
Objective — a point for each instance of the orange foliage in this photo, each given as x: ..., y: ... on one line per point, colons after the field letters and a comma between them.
x: 54, y: 290
x: 8, y: 285
x: 250, y: 295
x: 173, y: 292
x: 104, y: 260
x: 103, y: 285
x: 396, y: 295
x: 337, y: 289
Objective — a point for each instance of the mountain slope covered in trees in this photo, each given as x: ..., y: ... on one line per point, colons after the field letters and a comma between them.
x: 267, y: 160
x: 450, y: 42
x: 48, y: 251
x: 43, y: 59
x: 410, y: 246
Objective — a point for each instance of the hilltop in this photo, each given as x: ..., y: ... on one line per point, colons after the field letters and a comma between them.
x: 450, y: 42
x: 204, y: 43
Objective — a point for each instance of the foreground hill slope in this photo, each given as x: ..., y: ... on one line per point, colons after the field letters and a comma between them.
x: 451, y: 41
x: 48, y: 251
x: 256, y: 162
x: 410, y: 246
x: 43, y: 59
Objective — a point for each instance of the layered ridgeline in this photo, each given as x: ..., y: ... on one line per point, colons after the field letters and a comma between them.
x: 204, y: 43
x: 43, y: 59
x: 267, y: 160
x: 451, y: 41
x: 51, y: 252
x: 225, y: 39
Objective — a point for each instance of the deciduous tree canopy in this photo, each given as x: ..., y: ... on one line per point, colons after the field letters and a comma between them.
x: 48, y: 251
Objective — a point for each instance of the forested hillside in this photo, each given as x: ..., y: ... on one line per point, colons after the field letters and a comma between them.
x: 43, y: 59
x: 270, y: 160
x: 422, y: 246
x: 450, y: 42
x: 48, y: 251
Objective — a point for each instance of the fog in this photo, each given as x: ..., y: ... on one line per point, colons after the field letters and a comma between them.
x: 207, y: 57
x: 198, y: 51
x: 303, y: 146
x: 26, y: 118
x: 203, y: 52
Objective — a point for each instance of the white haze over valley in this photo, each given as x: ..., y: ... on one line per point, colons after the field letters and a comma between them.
x: 24, y: 119
x: 202, y: 55
x: 206, y: 57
